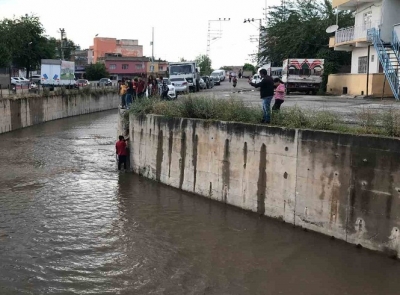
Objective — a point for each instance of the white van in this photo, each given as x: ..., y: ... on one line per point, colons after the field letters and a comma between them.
x: 220, y: 74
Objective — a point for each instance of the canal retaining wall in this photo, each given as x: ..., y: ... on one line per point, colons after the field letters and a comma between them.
x: 24, y: 112
x: 344, y: 186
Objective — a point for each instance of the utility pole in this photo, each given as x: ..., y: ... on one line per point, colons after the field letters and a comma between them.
x: 218, y: 33
x: 62, y: 32
x: 152, y: 50
x: 249, y: 20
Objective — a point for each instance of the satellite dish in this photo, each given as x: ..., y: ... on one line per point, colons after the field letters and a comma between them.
x: 332, y: 29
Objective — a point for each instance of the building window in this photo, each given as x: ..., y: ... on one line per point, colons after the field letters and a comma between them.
x: 362, y: 64
x: 125, y: 66
x: 367, y: 16
x: 113, y: 67
x: 372, y: 58
x: 139, y: 66
x: 161, y: 68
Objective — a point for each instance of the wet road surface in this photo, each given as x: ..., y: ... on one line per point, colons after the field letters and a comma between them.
x: 71, y: 224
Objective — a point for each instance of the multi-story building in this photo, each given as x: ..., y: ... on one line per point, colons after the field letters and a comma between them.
x: 372, y: 42
x: 130, y: 67
x: 124, y: 47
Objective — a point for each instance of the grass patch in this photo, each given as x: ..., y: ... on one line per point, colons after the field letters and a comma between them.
x: 385, y: 123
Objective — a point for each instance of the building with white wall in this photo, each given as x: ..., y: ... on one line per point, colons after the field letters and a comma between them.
x: 366, y: 76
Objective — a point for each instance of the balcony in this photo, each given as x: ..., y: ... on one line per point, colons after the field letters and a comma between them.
x: 350, y: 4
x: 347, y: 38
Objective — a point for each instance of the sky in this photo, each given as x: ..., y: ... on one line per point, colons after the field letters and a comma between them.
x: 180, y: 26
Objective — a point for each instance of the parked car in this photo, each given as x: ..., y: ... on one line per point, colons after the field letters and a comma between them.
x: 171, y: 89
x: 36, y: 79
x: 24, y: 81
x: 256, y: 79
x: 82, y: 83
x: 215, y: 80
x: 105, y: 82
x: 216, y: 77
x: 203, y: 84
x: 181, y: 85
x: 16, y: 81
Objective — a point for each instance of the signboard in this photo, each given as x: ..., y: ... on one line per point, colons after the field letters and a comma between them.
x: 67, y: 70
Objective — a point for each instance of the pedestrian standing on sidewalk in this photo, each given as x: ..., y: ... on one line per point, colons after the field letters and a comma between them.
x: 266, y: 86
x: 279, y: 94
x: 120, y: 148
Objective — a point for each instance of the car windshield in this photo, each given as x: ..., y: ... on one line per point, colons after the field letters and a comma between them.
x: 180, y: 69
x: 167, y: 81
x: 104, y: 80
x: 81, y: 81
x: 215, y: 74
x: 177, y: 79
x: 16, y: 78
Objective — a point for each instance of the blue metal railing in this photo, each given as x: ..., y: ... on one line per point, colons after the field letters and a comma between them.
x: 391, y: 74
x: 396, y: 45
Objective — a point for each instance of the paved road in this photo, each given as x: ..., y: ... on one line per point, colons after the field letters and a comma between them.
x: 346, y: 107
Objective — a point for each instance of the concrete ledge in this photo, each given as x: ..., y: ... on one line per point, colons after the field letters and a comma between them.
x: 337, y: 184
x: 24, y: 112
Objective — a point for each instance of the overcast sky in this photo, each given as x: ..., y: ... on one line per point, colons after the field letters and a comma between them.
x: 181, y: 26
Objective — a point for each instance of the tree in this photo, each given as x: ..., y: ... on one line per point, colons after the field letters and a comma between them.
x: 182, y: 59
x: 249, y: 67
x: 96, y: 71
x: 23, y: 43
x: 204, y: 62
x: 297, y: 30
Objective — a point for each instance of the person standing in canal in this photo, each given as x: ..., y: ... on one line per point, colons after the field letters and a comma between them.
x: 121, y: 150
x: 266, y: 86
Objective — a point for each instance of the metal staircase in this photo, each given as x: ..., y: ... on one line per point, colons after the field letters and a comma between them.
x: 389, y: 58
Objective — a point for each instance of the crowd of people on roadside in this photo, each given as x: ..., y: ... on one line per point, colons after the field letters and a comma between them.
x: 137, y: 88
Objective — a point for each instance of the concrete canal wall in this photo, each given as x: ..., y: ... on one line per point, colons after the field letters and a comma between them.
x: 340, y: 185
x: 24, y: 112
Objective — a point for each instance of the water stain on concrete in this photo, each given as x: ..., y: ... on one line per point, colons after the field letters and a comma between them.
x: 226, y: 167
x: 183, y: 159
x: 36, y: 110
x: 170, y: 145
x: 262, y: 180
x: 245, y: 155
x: 160, y: 155
x: 195, y: 140
x: 15, y: 108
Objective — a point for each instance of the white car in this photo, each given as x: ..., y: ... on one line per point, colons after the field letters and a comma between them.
x: 24, y: 80
x: 256, y: 79
x: 16, y: 81
x: 180, y: 84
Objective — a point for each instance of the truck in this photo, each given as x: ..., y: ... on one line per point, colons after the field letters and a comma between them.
x: 57, y: 73
x: 247, y: 74
x: 187, y: 70
x: 302, y: 74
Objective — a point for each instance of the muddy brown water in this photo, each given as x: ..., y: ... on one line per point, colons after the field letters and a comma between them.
x: 71, y: 224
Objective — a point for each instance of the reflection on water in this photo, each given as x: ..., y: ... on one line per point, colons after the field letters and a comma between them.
x: 71, y: 224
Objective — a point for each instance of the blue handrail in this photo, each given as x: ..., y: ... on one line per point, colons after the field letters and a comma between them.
x: 390, y: 72
x: 396, y: 45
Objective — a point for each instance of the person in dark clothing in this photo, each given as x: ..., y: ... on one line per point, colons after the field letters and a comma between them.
x: 266, y: 86
x: 129, y: 94
x: 121, y: 151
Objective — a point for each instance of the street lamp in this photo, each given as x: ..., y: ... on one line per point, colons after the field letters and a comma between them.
x: 250, y: 20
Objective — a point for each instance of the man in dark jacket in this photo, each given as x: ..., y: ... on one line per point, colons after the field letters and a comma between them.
x: 266, y: 86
